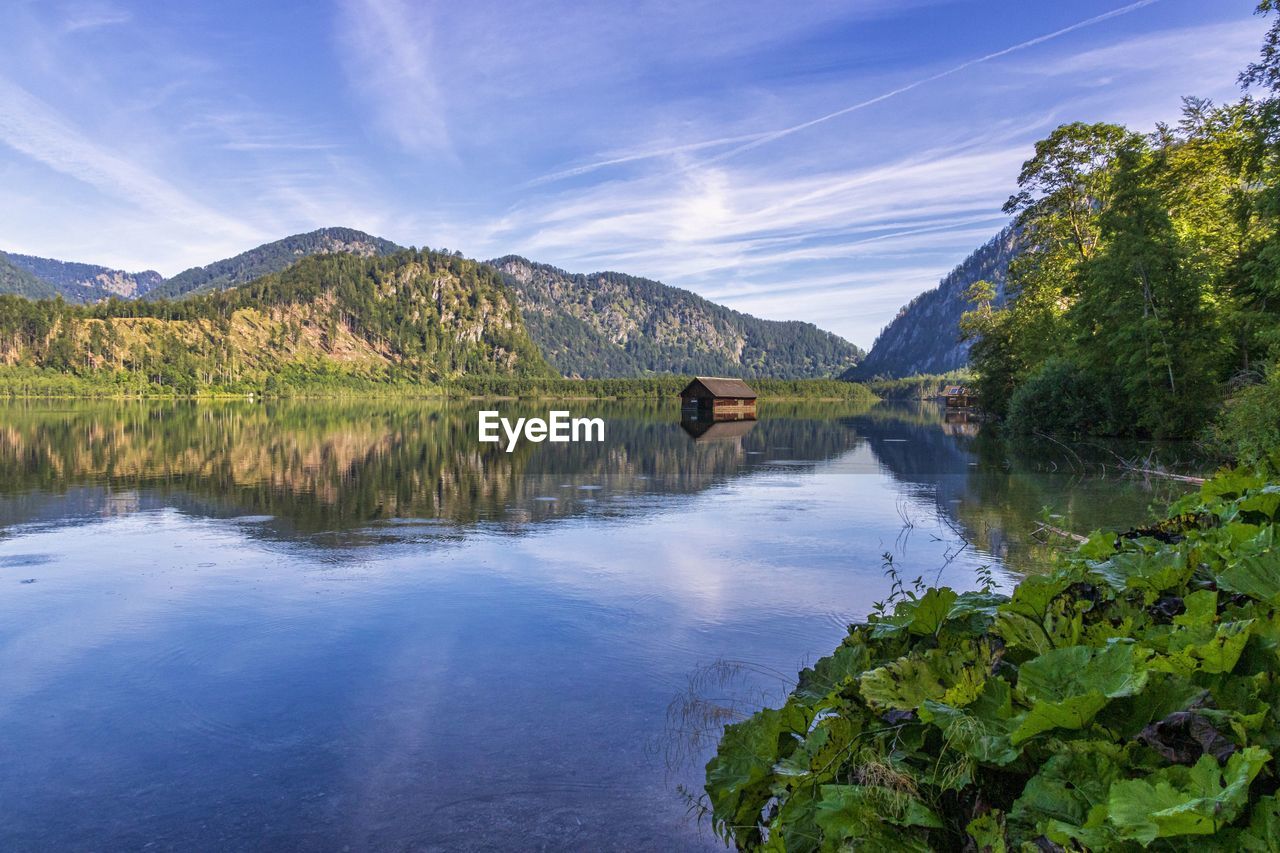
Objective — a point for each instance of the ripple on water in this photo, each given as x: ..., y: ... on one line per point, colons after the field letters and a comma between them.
x: 14, y: 561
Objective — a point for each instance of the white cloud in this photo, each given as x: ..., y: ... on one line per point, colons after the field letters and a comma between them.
x: 387, y: 50
x: 92, y: 16
x: 32, y: 128
x: 748, y: 142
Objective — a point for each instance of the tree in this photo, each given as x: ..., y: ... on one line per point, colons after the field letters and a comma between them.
x: 1141, y: 326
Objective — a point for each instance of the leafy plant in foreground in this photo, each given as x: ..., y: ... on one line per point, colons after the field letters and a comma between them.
x: 1124, y: 701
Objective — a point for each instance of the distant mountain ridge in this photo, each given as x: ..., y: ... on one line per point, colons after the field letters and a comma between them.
x: 20, y: 282
x: 608, y: 324
x: 78, y: 282
x: 592, y: 326
x: 272, y: 257
x: 412, y: 316
x: 925, y: 335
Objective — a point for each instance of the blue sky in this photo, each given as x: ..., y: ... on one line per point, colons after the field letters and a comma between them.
x: 822, y: 161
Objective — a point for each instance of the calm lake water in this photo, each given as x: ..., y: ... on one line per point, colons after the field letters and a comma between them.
x: 352, y: 626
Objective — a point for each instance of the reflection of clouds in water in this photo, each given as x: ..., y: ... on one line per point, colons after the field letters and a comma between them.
x: 378, y: 646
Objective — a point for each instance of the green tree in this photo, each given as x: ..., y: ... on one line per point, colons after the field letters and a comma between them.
x: 1140, y: 323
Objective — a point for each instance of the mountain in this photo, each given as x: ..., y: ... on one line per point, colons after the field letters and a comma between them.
x: 601, y: 325
x: 20, y: 282
x: 271, y: 258
x: 86, y: 282
x: 925, y: 336
x: 336, y: 317
x: 613, y: 325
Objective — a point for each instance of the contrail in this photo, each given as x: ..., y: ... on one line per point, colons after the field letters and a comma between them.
x: 755, y: 140
x: 778, y: 134
x: 634, y: 156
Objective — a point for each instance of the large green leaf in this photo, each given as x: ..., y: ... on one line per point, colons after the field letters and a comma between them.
x: 1254, y: 568
x: 987, y: 833
x: 1265, y: 501
x: 1066, y: 801
x: 1184, y: 801
x: 1149, y: 568
x: 921, y: 616
x: 1041, y: 615
x: 983, y: 739
x: 739, y: 777
x: 1263, y: 832
x: 1065, y: 688
x: 873, y: 818
x: 833, y: 673
x: 1211, y: 650
x: 951, y: 677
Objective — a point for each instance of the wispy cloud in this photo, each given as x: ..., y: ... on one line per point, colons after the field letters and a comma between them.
x: 755, y: 140
x: 1218, y: 45
x: 801, y: 247
x: 821, y: 161
x: 933, y: 78
x: 32, y: 128
x: 388, y: 55
x: 621, y: 158
x: 91, y: 16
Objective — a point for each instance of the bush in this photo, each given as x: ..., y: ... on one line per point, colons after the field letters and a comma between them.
x: 1127, y: 699
x: 1058, y: 399
x: 1249, y: 426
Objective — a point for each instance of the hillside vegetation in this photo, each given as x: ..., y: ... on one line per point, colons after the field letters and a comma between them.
x: 610, y: 325
x: 656, y: 387
x: 77, y: 282
x: 413, y: 316
x: 1147, y: 294
x: 18, y: 281
x: 271, y: 258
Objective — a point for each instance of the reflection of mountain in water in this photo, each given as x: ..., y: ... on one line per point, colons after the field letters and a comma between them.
x: 996, y: 491
x: 320, y: 467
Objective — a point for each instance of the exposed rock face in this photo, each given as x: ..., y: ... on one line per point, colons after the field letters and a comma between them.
x: 609, y: 324
x: 88, y: 282
x: 925, y: 336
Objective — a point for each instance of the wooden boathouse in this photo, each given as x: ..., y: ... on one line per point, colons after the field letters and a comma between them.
x: 958, y: 397
x: 713, y: 398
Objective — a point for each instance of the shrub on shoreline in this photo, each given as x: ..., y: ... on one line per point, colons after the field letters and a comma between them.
x: 1126, y: 700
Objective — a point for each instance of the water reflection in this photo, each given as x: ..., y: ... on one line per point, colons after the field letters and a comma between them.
x: 325, y: 467
x: 317, y: 625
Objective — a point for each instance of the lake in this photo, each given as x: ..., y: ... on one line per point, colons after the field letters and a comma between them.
x: 332, y: 626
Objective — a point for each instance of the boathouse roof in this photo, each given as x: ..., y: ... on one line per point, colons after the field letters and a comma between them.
x: 718, y: 386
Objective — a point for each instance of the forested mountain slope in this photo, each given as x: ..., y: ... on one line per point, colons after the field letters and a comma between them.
x: 271, y: 258
x: 925, y: 336
x: 412, y: 316
x: 609, y: 325
x: 87, y: 282
x: 597, y: 326
x: 17, y: 281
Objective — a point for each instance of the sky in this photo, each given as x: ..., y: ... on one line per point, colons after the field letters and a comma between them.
x: 818, y: 161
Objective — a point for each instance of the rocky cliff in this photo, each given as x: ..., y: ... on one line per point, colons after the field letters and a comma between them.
x: 925, y: 335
